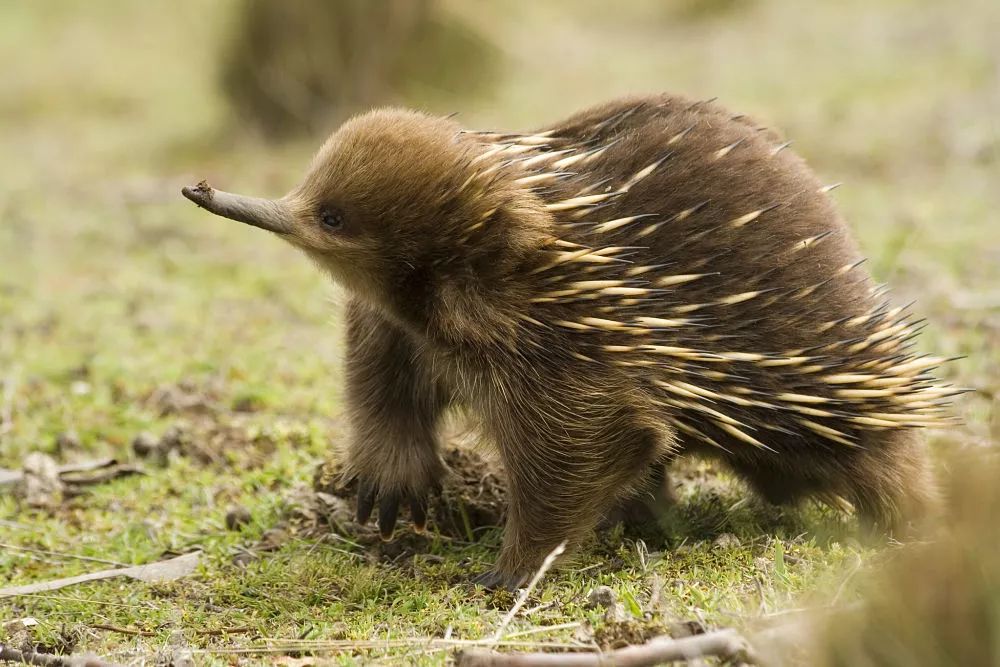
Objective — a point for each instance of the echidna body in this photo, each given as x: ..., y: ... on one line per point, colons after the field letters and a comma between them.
x: 648, y: 277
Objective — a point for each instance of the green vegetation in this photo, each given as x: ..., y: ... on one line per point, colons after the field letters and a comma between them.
x: 124, y: 310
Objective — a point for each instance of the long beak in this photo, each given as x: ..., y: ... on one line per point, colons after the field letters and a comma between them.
x: 270, y: 214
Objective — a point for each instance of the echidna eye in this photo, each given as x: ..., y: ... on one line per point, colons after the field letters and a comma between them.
x: 332, y: 219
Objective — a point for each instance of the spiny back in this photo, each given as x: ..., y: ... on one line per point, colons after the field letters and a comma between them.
x: 692, y: 249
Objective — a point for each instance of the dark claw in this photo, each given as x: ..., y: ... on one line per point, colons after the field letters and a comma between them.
x: 418, y: 513
x: 366, y: 500
x: 388, y: 510
x: 493, y: 580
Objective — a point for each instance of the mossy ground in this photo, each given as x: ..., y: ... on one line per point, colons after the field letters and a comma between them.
x: 123, y: 309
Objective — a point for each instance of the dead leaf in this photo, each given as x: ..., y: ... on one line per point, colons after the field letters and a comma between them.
x: 160, y: 571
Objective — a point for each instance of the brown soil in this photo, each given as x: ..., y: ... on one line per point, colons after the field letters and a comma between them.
x: 619, y: 634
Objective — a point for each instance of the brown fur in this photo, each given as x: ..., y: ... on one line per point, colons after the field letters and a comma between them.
x: 461, y: 296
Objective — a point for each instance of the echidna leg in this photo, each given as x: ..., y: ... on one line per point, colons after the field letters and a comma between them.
x: 559, y: 488
x: 779, y: 485
x: 887, y: 478
x: 891, y: 483
x: 641, y: 511
x: 394, y: 404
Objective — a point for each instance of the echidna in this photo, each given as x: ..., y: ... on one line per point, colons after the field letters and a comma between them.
x: 648, y: 277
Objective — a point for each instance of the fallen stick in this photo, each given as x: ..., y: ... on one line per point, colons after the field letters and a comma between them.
x: 74, y: 473
x: 124, y: 631
x: 149, y: 633
x: 225, y: 631
x: 720, y: 643
x: 8, y: 654
x: 526, y: 591
x: 100, y: 475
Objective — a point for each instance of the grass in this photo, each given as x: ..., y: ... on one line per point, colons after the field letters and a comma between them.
x: 123, y: 310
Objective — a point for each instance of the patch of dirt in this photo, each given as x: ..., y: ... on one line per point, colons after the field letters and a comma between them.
x: 186, y: 397
x: 629, y: 632
x: 474, y: 497
x: 221, y: 441
x: 20, y: 635
x: 471, y: 502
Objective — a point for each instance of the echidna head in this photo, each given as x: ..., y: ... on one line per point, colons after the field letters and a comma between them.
x: 388, y: 210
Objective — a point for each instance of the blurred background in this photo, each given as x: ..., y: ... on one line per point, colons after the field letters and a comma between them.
x: 109, y: 278
x: 122, y: 305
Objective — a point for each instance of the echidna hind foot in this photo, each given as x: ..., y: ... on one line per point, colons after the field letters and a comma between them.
x: 886, y: 479
x: 892, y: 485
x: 641, y: 511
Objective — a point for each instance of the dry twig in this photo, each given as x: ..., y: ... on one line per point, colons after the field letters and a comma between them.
x: 526, y: 591
x: 721, y: 643
x: 123, y: 631
x: 149, y: 633
x: 8, y: 654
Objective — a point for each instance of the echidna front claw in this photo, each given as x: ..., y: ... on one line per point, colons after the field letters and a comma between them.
x: 388, y: 508
x: 418, y: 513
x: 388, y: 511
x: 366, y: 500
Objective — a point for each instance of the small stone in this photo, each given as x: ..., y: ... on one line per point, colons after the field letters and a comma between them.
x: 726, y: 541
x: 172, y: 439
x: 237, y: 517
x: 686, y: 629
x: 144, y: 445
x: 603, y: 597
x: 40, y: 485
x: 182, y: 657
x: 273, y: 538
x: 247, y: 404
x: 67, y: 440
x: 243, y: 558
x: 80, y: 388
x: 20, y: 633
